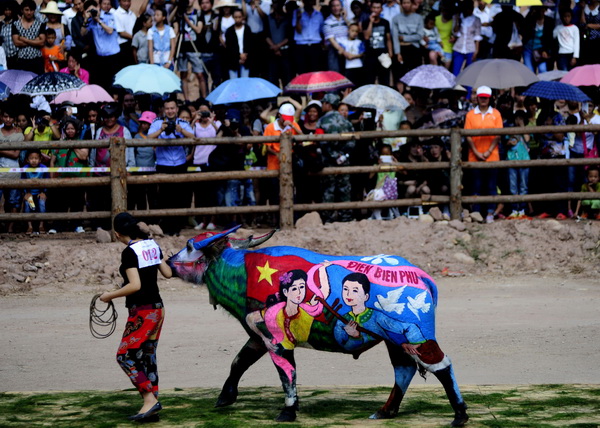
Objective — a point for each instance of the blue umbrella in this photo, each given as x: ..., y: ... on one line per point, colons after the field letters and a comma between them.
x: 556, y: 91
x: 243, y: 89
x: 148, y: 79
x: 4, y: 91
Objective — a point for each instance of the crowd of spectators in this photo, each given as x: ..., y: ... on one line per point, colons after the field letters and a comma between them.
x: 367, y: 41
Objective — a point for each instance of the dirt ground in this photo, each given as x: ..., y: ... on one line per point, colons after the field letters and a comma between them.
x: 518, y: 305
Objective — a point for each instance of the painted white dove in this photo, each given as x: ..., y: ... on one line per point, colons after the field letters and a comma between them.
x: 390, y: 303
x: 418, y: 303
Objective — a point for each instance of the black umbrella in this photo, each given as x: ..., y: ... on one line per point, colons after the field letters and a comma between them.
x: 52, y: 84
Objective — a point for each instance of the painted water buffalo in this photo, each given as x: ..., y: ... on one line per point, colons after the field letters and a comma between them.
x: 286, y: 297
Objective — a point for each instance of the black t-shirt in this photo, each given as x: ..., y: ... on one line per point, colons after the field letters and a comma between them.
x: 378, y: 41
x: 147, y: 254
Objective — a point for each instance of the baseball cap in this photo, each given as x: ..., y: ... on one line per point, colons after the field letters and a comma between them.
x: 234, y: 115
x: 484, y: 91
x: 147, y: 116
x: 287, y: 111
x: 332, y: 99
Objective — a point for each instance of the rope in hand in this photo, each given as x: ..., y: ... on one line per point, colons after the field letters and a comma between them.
x: 98, y: 318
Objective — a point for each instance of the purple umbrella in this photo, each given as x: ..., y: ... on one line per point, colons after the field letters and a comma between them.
x: 16, y: 79
x: 430, y: 77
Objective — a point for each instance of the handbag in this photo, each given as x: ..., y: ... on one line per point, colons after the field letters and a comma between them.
x: 515, y: 38
x: 589, y: 153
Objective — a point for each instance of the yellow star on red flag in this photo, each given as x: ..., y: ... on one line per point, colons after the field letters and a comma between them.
x: 266, y: 272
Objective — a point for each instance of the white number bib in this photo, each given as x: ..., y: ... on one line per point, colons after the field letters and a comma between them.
x: 147, y: 252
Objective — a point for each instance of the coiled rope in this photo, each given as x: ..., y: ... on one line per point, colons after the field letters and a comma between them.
x: 99, y: 318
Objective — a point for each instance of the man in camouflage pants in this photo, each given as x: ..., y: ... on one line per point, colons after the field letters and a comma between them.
x: 336, y: 188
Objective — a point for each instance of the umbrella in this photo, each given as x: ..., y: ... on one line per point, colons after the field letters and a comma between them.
x: 586, y: 75
x: 552, y: 75
x: 51, y: 84
x: 430, y: 77
x: 148, y: 79
x: 4, y: 91
x: 16, y: 79
x: 87, y: 94
x: 243, y: 89
x: 496, y: 73
x: 441, y: 117
x: 376, y: 97
x: 518, y: 3
x: 318, y: 81
x: 556, y: 91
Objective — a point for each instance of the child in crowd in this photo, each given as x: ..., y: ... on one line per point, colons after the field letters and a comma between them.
x: 590, y: 208
x: 432, y: 41
x: 386, y: 187
x: 354, y: 50
x: 161, y: 41
x: 517, y: 149
x: 52, y: 53
x: 567, y: 36
x: 34, y: 200
x: 139, y: 44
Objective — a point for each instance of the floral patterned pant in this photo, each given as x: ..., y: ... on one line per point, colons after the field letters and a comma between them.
x: 137, y: 352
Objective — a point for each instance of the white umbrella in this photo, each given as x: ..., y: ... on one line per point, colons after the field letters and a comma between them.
x: 376, y: 97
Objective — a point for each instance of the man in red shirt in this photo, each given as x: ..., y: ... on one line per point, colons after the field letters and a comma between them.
x: 285, y: 123
x: 484, y: 148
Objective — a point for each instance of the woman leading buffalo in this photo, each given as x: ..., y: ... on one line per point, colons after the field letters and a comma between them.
x: 140, y: 263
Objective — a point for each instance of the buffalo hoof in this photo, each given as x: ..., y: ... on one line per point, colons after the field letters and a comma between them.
x: 381, y: 414
x: 288, y: 414
x: 227, y: 397
x: 460, y: 419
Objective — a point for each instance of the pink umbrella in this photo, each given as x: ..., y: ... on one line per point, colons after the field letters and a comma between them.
x: 585, y: 75
x: 318, y: 81
x: 87, y: 94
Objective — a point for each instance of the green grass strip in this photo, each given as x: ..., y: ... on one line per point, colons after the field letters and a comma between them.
x: 489, y: 406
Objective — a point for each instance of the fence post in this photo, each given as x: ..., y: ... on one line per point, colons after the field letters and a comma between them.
x: 455, y: 174
x: 286, y: 183
x: 118, y: 178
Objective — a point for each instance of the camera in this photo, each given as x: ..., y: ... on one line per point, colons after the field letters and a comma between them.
x: 204, y: 113
x: 41, y: 121
x: 170, y: 129
x: 93, y: 13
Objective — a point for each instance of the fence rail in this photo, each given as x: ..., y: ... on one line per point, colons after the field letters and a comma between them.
x: 119, y: 179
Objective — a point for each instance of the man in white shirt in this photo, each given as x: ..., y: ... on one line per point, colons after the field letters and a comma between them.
x: 68, y: 15
x: 124, y: 21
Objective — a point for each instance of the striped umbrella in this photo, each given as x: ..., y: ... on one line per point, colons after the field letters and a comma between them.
x: 556, y: 91
x: 318, y: 81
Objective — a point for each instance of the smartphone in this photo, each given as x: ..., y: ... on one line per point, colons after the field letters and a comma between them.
x: 74, y: 110
x: 367, y: 115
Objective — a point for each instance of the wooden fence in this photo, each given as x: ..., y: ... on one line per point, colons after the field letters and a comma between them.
x: 119, y: 178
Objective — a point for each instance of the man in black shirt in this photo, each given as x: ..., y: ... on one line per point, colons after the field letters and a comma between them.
x: 378, y: 41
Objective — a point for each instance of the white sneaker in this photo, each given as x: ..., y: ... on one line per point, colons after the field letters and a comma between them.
x: 79, y: 229
x: 489, y: 218
x: 52, y: 232
x: 35, y: 233
x: 199, y: 226
x: 211, y: 226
